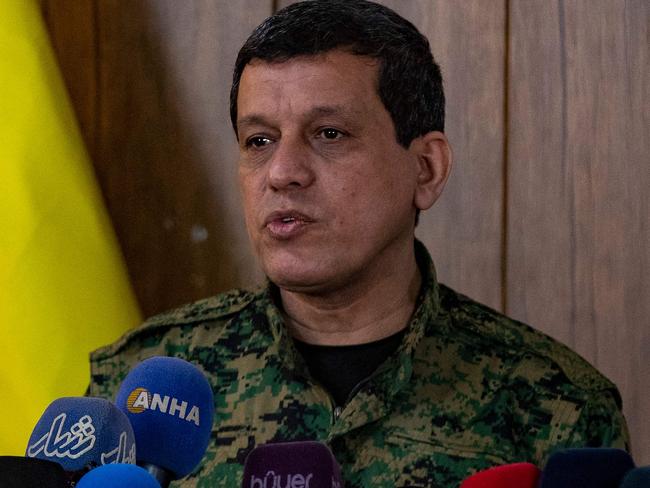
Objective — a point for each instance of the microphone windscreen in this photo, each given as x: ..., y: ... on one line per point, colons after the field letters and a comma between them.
x: 637, y: 478
x: 304, y: 464
x: 170, y: 405
x: 588, y: 467
x: 516, y: 475
x: 118, y: 476
x: 82, y: 432
x: 23, y: 472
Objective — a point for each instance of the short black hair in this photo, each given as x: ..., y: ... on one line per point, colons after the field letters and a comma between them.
x: 409, y: 84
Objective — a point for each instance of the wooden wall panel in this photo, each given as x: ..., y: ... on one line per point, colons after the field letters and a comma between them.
x: 578, y: 180
x: 71, y: 25
x: 463, y: 230
x: 164, y: 151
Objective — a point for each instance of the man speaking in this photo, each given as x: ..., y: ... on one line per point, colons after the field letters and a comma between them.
x: 338, y: 108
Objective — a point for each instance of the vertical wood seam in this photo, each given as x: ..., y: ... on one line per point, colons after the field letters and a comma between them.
x: 97, y: 138
x: 506, y: 161
x: 569, y: 182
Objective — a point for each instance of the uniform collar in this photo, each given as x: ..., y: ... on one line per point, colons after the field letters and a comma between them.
x: 373, y: 399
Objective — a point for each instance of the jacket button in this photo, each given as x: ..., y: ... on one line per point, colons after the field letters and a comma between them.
x: 337, y: 412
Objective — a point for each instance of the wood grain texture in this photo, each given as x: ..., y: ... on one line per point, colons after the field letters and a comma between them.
x: 71, y: 25
x: 166, y: 155
x: 463, y: 230
x: 578, y: 179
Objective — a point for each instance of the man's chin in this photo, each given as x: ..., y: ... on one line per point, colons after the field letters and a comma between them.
x: 307, y: 281
x: 302, y: 283
x: 291, y: 265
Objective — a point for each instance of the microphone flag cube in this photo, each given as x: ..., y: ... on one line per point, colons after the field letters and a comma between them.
x: 170, y: 405
x: 306, y: 464
x: 82, y: 432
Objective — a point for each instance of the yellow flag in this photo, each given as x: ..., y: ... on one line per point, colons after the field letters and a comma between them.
x: 63, y: 285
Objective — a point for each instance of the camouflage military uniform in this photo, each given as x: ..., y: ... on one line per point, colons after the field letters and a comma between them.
x: 467, y: 389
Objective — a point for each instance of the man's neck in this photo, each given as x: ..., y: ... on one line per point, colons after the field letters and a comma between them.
x: 370, y: 309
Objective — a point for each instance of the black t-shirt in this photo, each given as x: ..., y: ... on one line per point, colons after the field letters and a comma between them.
x: 340, y: 368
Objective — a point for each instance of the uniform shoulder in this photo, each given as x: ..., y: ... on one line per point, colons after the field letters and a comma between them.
x: 216, y: 309
x: 503, y: 333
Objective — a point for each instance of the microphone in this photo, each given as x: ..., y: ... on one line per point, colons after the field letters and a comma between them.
x: 23, y: 472
x: 586, y: 467
x: 308, y: 464
x: 118, y: 476
x: 516, y: 475
x: 171, y: 407
x: 637, y: 478
x: 80, y: 433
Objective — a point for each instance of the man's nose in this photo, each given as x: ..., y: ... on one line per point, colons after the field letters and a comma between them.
x: 290, y: 166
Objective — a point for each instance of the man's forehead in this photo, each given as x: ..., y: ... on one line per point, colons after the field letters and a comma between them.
x: 328, y: 84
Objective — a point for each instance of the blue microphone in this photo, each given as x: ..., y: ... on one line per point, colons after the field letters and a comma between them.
x: 637, y: 478
x: 80, y: 433
x: 118, y: 476
x: 586, y: 467
x: 170, y: 405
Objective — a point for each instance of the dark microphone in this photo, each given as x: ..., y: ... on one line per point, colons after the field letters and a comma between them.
x: 118, y: 476
x: 517, y: 475
x: 80, y: 433
x: 308, y: 464
x: 24, y: 472
x: 637, y: 478
x: 586, y: 467
x: 170, y: 405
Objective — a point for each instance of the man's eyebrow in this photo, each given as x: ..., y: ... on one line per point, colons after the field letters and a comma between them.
x: 348, y: 114
x: 253, y: 119
x: 318, y: 111
x: 328, y: 110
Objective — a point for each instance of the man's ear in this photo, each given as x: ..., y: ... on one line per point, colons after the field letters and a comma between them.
x: 433, y: 154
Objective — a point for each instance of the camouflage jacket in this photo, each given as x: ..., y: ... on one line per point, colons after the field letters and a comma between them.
x: 467, y: 389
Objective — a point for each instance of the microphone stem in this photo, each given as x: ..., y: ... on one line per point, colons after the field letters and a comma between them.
x: 162, y: 476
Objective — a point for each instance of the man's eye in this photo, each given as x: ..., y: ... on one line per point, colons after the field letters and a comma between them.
x: 257, y: 141
x: 330, y: 134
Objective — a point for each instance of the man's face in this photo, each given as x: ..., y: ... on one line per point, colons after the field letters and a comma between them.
x: 328, y: 192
